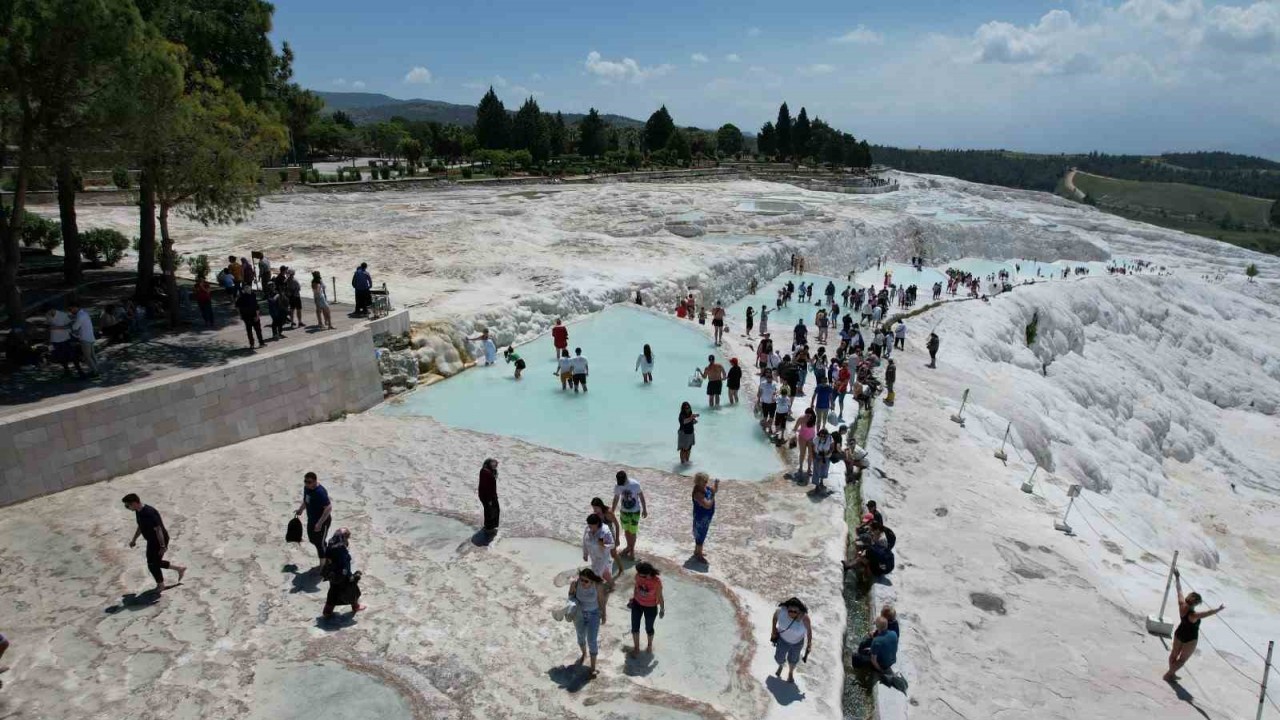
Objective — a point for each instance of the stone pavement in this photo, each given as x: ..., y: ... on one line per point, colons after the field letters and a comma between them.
x: 164, y: 353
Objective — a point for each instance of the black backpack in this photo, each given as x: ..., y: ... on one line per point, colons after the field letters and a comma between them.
x: 293, y: 533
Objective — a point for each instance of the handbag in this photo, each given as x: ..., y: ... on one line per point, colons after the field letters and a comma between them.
x: 566, y: 612
x: 293, y: 533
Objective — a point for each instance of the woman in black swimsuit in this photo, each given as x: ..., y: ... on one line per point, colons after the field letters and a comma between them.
x: 1188, y: 632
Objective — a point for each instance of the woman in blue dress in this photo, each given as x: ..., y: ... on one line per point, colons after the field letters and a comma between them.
x: 704, y: 508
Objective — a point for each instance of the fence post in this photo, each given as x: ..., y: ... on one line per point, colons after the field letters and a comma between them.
x: 958, y: 418
x: 1000, y: 454
x: 1029, y: 485
x: 1266, y: 673
x: 334, y: 279
x: 1062, y: 526
x: 1156, y: 625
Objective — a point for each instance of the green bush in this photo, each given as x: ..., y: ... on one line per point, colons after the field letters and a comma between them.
x: 199, y: 266
x: 37, y: 230
x: 102, y: 246
x: 120, y: 177
x: 384, y: 172
x: 466, y: 173
x: 284, y: 176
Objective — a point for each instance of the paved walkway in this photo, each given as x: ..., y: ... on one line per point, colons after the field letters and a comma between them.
x: 163, y: 353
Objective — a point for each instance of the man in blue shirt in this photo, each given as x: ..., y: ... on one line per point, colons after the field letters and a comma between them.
x: 315, y: 502
x: 882, y: 653
x: 821, y: 402
x: 362, y: 281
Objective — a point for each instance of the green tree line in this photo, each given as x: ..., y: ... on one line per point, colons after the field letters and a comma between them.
x: 191, y: 93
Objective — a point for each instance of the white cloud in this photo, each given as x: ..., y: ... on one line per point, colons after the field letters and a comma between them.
x: 536, y: 76
x: 1255, y: 28
x: 358, y: 84
x: 698, y: 57
x: 753, y: 32
x: 861, y: 35
x: 816, y: 69
x: 418, y: 76
x: 625, y: 70
x: 499, y: 81
x: 733, y: 57
x: 340, y: 82
x: 523, y: 92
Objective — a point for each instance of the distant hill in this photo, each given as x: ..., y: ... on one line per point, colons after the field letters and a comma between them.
x: 1242, y: 174
x: 375, y: 107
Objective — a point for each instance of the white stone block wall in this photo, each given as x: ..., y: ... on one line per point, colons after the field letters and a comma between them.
x: 58, y: 446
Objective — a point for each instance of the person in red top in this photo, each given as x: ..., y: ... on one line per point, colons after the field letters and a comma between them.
x: 488, y: 492
x: 204, y: 298
x: 560, y: 336
x: 647, y: 603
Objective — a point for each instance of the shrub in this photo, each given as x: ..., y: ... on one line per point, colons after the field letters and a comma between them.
x: 37, y: 230
x: 466, y: 173
x: 120, y: 177
x: 284, y: 176
x: 103, y: 246
x: 384, y: 172
x: 199, y: 266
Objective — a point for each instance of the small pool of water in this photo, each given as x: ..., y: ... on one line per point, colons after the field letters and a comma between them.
x: 735, y: 239
x: 770, y: 207
x: 321, y: 689
x: 902, y: 274
x: 619, y: 419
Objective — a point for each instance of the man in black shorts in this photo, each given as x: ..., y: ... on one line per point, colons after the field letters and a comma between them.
x: 315, y: 503
x: 152, y: 529
x: 717, y: 322
x: 713, y: 373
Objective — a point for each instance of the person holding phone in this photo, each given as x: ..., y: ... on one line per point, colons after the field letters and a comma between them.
x: 704, y: 509
x: 684, y: 436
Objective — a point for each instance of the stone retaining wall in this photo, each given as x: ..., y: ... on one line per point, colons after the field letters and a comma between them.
x: 77, y: 442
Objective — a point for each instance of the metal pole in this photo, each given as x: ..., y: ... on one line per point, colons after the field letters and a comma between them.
x: 1266, y: 673
x: 1000, y: 454
x: 334, y: 279
x: 1168, y: 583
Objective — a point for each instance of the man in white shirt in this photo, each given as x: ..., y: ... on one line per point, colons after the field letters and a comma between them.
x: 82, y: 332
x: 597, y: 547
x: 634, y: 507
x: 64, y: 351
x: 579, y: 366
x: 766, y: 399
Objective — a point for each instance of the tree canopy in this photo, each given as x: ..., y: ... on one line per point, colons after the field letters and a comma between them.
x: 783, y: 130
x: 492, y: 123
x: 729, y: 139
x: 591, y: 139
x: 658, y: 129
x: 767, y: 140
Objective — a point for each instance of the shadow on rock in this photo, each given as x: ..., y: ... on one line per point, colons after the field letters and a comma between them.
x: 135, y: 601
x: 638, y: 665
x: 336, y: 621
x: 307, y: 581
x: 695, y: 565
x: 570, y: 678
x: 784, y: 692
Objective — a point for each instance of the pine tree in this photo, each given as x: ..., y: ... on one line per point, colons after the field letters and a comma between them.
x: 557, y: 133
x: 767, y: 140
x: 801, y: 137
x: 783, y: 130
x: 528, y: 131
x: 591, y: 136
x: 492, y: 123
x: 658, y: 129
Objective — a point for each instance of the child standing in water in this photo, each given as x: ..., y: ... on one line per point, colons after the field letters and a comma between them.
x: 644, y: 364
x: 511, y: 356
x: 564, y: 369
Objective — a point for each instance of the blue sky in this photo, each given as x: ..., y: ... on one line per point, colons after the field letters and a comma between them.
x: 1038, y: 75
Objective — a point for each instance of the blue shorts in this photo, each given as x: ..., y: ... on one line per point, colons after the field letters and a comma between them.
x: 787, y: 652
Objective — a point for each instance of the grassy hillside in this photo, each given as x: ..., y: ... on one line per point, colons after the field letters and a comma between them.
x: 1237, y: 219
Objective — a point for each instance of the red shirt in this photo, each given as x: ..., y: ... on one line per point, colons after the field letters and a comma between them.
x: 560, y: 334
x: 647, y: 588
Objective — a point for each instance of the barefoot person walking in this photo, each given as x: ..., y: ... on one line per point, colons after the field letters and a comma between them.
x: 151, y: 528
x: 685, y: 436
x: 589, y: 594
x: 791, y: 629
x: 647, y: 603
x: 634, y: 507
x: 1187, y: 635
x: 704, y: 509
